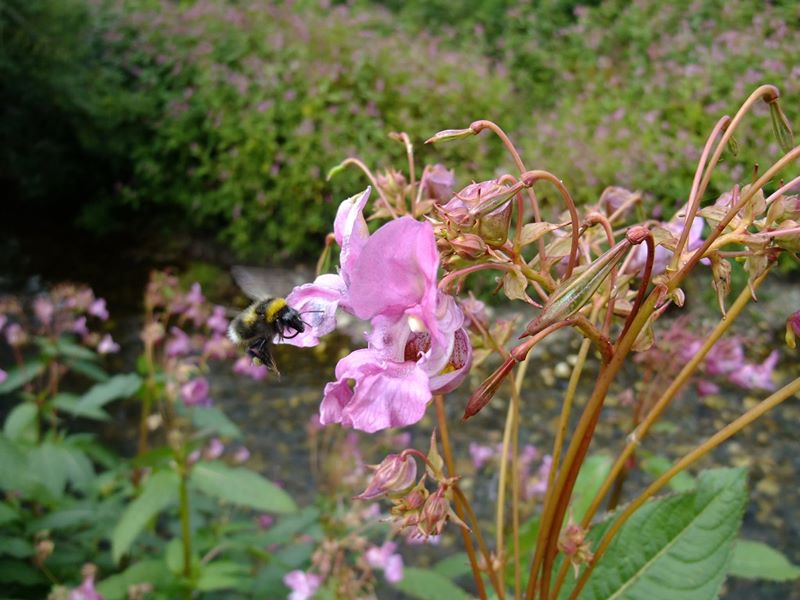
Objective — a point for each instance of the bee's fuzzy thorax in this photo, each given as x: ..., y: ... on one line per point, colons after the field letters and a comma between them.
x: 274, y: 307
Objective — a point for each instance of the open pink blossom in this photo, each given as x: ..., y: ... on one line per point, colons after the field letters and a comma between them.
x: 218, y: 321
x: 395, y: 274
x: 480, y: 454
x: 178, y: 343
x: 754, y: 377
x: 386, y: 559
x: 317, y: 303
x: 302, y: 584
x: 98, y: 309
x: 195, y: 392
x: 417, y: 343
x: 385, y: 393
x: 86, y: 590
x: 244, y: 366
x: 107, y: 345
x: 43, y: 309
x: 350, y: 230
x: 79, y: 326
x: 662, y: 256
x: 725, y: 357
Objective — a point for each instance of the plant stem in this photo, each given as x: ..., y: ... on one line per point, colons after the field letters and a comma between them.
x: 722, y: 435
x: 183, y: 508
x: 460, y: 501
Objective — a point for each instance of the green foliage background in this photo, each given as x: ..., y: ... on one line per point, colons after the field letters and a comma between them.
x: 215, y: 118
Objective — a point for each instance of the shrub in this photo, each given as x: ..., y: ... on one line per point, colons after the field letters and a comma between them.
x: 251, y: 104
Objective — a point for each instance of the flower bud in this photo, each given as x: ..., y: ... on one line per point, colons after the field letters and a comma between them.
x: 469, y: 245
x: 789, y: 240
x: 439, y: 183
x: 447, y: 135
x: 792, y: 329
x: 395, y: 475
x: 781, y: 126
x: 574, y: 545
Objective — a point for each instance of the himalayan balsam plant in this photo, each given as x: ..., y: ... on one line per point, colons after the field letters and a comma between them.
x: 592, y: 272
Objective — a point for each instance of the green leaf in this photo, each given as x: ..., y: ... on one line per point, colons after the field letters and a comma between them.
x: 119, y: 386
x: 19, y: 376
x: 152, y: 571
x: 241, y: 486
x: 69, y: 349
x: 656, y: 465
x: 16, y: 547
x: 214, y: 419
x: 591, y: 476
x: 429, y: 585
x: 20, y: 425
x: 46, y: 464
x: 221, y: 575
x: 453, y: 566
x: 678, y: 546
x: 158, y: 492
x: 7, y: 514
x: 88, y: 369
x: 755, y: 560
x: 70, y: 404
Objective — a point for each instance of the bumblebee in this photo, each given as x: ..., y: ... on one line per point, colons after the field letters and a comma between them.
x: 260, y: 324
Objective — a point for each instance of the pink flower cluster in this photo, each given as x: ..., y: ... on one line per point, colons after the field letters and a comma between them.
x: 417, y: 344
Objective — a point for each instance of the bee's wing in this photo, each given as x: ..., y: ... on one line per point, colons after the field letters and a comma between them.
x: 253, y: 282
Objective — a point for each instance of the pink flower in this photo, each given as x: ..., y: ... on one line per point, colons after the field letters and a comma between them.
x: 317, y: 303
x: 417, y: 344
x: 79, y: 326
x: 663, y: 256
x: 707, y: 388
x: 43, y: 309
x: 725, y: 357
x: 86, y: 591
x: 242, y: 455
x: 195, y: 392
x: 244, y: 366
x: 480, y: 454
x: 15, y: 335
x: 194, y: 300
x: 264, y: 521
x: 757, y: 376
x: 387, y: 560
x: 107, y: 345
x: 218, y: 321
x: 214, y: 449
x: 98, y: 309
x: 302, y: 584
x: 178, y: 344
x: 218, y: 347
x: 385, y: 393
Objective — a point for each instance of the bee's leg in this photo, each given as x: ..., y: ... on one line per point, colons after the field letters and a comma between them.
x: 289, y: 337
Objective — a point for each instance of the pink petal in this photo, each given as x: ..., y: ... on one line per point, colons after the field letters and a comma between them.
x: 317, y: 303
x: 350, y: 230
x: 396, y: 273
x: 385, y: 393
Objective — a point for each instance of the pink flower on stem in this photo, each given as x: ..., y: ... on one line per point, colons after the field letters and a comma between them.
x: 725, y: 357
x: 79, y: 326
x: 754, y: 377
x: 43, y: 309
x: 218, y: 347
x: 480, y: 454
x: 241, y: 455
x: 194, y: 304
x: 417, y: 344
x: 107, y: 345
x: 385, y: 559
x: 98, y: 309
x: 195, y: 392
x: 244, y: 366
x: 792, y: 328
x: 178, y: 343
x: 86, y: 590
x: 302, y: 584
x: 214, y: 449
x: 218, y: 322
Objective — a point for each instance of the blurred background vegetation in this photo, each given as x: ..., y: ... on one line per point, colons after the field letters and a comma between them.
x: 219, y: 120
